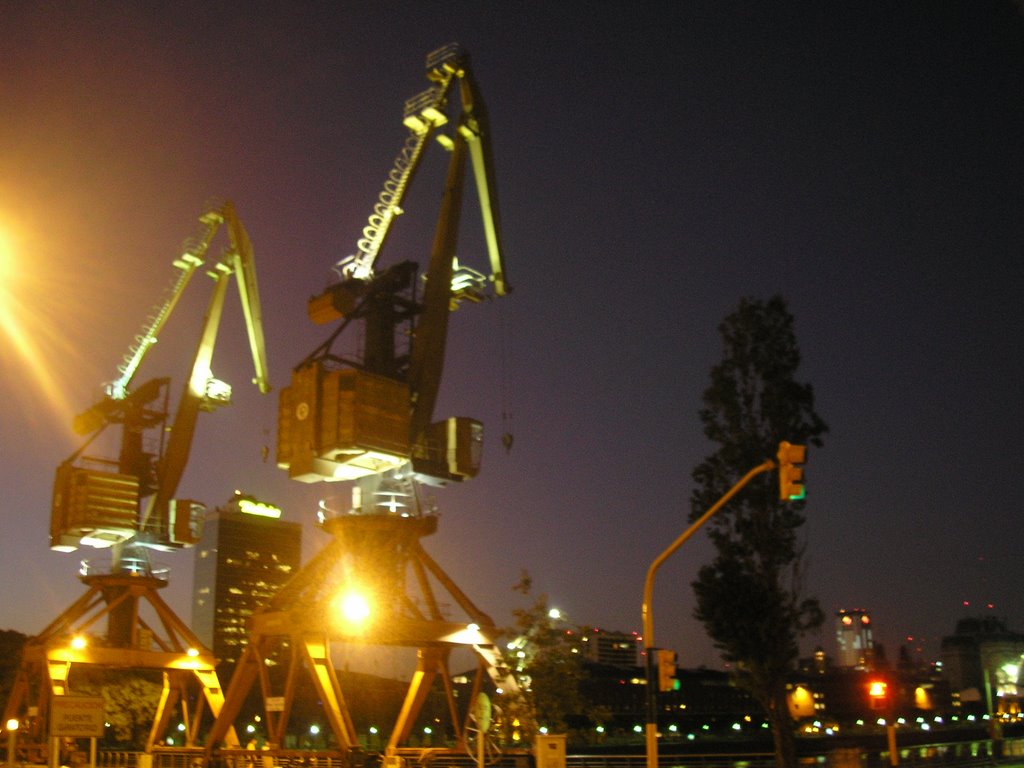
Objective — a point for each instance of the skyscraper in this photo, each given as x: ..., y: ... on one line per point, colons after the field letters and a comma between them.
x: 853, y: 636
x: 245, y: 554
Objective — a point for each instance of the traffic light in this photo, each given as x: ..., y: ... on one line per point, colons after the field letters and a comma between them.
x: 666, y: 670
x: 791, y: 476
x: 878, y: 693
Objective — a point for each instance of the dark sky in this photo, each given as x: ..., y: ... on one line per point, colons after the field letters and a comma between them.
x: 655, y: 162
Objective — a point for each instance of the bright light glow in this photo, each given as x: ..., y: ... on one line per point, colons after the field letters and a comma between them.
x: 354, y: 608
x: 12, y: 724
x: 6, y: 256
x: 192, y: 652
x: 554, y: 614
x: 37, y: 304
x: 259, y: 508
x: 78, y: 642
x: 104, y: 539
x: 218, y: 391
x: 367, y: 463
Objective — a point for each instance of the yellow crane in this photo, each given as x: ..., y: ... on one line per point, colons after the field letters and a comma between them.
x: 128, y: 505
x: 326, y: 431
x: 370, y: 420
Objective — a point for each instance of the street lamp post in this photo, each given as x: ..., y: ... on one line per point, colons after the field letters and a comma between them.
x: 651, y: 734
x: 12, y: 741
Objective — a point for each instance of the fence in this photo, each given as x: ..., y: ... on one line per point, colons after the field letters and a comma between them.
x: 968, y: 754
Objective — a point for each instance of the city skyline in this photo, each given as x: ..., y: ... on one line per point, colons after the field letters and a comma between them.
x: 653, y: 167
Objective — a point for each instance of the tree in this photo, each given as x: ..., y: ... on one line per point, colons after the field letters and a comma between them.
x: 548, y: 662
x: 750, y: 598
x: 11, y: 644
x: 130, y: 699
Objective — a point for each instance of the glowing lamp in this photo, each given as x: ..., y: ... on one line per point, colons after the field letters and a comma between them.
x: 354, y: 608
x: 259, y: 508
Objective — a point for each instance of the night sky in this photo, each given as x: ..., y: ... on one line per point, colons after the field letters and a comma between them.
x: 655, y: 163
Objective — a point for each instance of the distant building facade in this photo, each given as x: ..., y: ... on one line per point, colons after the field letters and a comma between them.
x: 982, y: 660
x: 853, y: 638
x: 613, y: 649
x: 245, y: 554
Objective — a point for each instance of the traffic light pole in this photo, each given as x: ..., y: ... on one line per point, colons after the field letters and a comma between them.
x: 651, y: 734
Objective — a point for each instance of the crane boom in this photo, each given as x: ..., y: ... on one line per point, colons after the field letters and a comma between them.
x: 423, y: 115
x: 105, y: 508
x: 376, y: 414
x: 186, y: 264
x: 202, y: 391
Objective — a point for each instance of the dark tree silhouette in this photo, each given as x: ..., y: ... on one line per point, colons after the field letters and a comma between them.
x: 750, y: 597
x: 11, y: 644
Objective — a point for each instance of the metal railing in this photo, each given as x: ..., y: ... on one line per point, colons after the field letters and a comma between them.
x: 968, y: 754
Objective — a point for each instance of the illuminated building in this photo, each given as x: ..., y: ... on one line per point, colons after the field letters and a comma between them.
x: 983, y: 660
x: 853, y: 637
x: 615, y: 649
x: 246, y: 553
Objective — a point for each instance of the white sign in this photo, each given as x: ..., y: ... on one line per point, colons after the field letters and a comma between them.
x: 77, y: 716
x: 275, y: 703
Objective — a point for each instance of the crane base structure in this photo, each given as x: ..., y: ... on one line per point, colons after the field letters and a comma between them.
x: 377, y: 564
x: 130, y: 642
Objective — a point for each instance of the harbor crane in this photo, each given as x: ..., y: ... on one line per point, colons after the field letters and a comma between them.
x: 129, y: 507
x: 369, y: 420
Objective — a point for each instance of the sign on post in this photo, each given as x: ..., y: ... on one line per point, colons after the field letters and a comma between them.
x: 77, y: 717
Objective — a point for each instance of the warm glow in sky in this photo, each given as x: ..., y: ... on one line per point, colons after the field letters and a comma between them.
x: 34, y: 335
